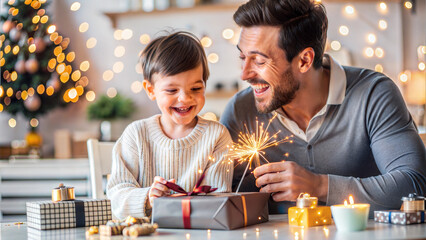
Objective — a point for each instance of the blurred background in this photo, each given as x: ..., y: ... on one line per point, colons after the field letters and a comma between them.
x: 99, y: 78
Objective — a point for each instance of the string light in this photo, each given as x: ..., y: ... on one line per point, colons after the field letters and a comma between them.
x: 422, y: 66
x: 15, y: 50
x: 84, y: 66
x: 206, y: 42
x: 403, y: 77
x: 50, y: 90
x: 34, y: 122
x: 108, y: 75
x: 118, y: 67
x: 12, y: 122
x: 378, y: 68
x: 111, y: 92
x: 117, y: 34
x: 119, y: 51
x: 1, y: 91
x: 83, y: 27
x: 75, y: 6
x: 61, y: 57
x: 350, y: 10
x: 228, y: 33
x: 91, y: 42
x: 335, y: 45
x: 75, y: 76
x: 408, y: 4
x: 126, y: 34
x: 70, y: 56
x: 32, y: 48
x: 14, y: 76
x: 51, y: 29
x: 344, y: 30
x: 383, y: 7
x: 90, y: 96
x: 40, y: 89
x: 213, y: 58
x: 369, y: 52
x: 136, y: 87
x: 379, y: 52
x: 144, y: 39
x: 371, y: 38
x: 72, y: 93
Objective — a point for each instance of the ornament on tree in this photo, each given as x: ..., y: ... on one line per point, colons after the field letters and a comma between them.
x: 31, y: 65
x: 40, y: 45
x: 54, y: 82
x: 7, y: 26
x: 32, y: 103
x: 20, y: 66
x: 15, y: 34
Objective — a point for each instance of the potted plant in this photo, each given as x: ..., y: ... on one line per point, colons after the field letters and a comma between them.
x: 107, y: 110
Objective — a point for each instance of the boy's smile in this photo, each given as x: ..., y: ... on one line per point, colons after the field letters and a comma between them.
x: 180, y: 98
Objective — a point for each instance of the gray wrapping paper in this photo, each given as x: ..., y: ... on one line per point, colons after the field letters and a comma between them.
x: 223, y: 211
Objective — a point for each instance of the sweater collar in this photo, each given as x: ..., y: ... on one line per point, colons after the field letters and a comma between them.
x: 160, y: 138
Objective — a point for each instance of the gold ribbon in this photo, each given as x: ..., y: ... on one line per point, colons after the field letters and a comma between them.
x: 63, y: 193
x: 243, y: 200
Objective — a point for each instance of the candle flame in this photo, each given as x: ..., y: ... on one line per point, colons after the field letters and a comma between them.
x: 351, y: 199
x: 346, y: 203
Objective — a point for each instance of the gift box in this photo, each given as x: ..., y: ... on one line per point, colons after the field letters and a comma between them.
x: 399, y: 217
x: 44, y: 215
x: 223, y: 211
x: 308, y: 217
x: 307, y: 213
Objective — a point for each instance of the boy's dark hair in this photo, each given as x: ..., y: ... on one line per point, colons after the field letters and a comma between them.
x: 303, y: 24
x: 173, y: 54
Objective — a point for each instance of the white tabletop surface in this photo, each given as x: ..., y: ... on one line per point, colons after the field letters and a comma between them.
x: 276, y: 228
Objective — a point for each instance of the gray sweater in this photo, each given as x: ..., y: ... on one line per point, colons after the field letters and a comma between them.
x: 368, y: 145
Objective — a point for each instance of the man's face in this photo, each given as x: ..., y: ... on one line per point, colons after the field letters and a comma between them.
x: 265, y: 68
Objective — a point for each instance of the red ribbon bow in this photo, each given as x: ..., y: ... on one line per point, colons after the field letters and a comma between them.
x: 197, y: 188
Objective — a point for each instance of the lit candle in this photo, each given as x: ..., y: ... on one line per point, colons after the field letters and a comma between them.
x: 350, y: 217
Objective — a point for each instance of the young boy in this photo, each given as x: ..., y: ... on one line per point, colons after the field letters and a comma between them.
x: 176, y: 144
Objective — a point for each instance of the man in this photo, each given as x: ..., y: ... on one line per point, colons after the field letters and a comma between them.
x: 352, y: 131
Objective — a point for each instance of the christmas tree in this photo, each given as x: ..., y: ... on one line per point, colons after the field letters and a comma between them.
x: 36, y: 68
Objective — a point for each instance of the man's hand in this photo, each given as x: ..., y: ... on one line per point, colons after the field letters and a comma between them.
x: 158, y: 189
x: 287, y: 180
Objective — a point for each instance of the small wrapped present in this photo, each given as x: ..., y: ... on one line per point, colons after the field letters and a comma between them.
x: 307, y: 213
x: 45, y: 215
x: 399, y: 217
x: 222, y: 211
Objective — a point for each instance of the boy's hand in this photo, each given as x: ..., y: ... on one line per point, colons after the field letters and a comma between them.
x: 159, y: 189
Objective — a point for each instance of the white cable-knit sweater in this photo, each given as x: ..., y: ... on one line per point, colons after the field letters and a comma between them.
x: 143, y: 151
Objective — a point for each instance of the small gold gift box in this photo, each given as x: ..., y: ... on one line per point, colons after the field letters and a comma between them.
x: 307, y: 213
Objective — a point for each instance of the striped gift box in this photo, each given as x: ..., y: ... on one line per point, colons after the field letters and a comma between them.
x: 44, y: 215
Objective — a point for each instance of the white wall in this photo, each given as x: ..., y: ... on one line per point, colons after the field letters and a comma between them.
x: 398, y: 52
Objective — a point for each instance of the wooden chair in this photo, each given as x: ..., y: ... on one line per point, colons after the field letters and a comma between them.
x: 423, y: 137
x: 100, y: 161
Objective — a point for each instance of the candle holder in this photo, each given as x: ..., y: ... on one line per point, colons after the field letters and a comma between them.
x: 350, y: 217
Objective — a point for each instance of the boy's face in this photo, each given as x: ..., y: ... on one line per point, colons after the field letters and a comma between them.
x: 180, y: 97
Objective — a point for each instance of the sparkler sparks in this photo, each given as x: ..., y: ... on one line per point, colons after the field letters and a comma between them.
x: 250, y: 146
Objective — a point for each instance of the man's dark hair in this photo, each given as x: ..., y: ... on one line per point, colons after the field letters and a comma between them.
x: 173, y: 54
x: 303, y: 24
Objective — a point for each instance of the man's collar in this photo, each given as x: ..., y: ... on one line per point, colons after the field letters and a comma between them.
x: 337, y: 86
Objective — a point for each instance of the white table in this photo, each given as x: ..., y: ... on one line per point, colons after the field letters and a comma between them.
x: 276, y: 228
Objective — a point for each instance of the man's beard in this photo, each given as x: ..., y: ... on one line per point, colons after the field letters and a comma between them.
x: 282, y: 94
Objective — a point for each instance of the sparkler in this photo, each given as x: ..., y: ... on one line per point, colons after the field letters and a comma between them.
x: 250, y: 146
